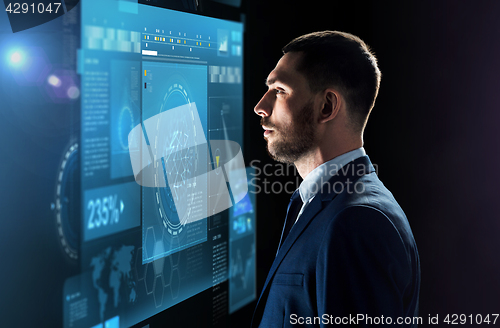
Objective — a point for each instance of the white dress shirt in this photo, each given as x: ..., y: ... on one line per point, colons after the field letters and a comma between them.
x: 320, y: 175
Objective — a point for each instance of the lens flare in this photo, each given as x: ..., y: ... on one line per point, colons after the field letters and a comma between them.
x: 54, y: 81
x: 15, y: 57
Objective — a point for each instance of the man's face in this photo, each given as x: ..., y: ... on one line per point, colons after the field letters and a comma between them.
x: 287, y: 111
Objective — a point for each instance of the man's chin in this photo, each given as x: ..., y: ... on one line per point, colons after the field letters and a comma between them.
x: 270, y: 150
x: 279, y: 157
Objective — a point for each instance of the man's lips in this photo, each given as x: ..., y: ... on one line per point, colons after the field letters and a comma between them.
x: 267, y: 131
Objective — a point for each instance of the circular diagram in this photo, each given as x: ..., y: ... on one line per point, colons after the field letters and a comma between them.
x: 126, y: 124
x: 178, y: 162
x: 67, y: 202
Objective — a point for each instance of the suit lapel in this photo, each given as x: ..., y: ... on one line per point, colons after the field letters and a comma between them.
x: 309, y: 213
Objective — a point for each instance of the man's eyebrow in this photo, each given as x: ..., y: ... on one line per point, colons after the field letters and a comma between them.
x: 273, y: 80
x: 269, y: 81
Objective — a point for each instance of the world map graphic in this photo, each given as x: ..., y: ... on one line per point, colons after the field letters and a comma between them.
x: 112, y: 277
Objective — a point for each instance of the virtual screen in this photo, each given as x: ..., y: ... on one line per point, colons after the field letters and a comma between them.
x: 165, y: 88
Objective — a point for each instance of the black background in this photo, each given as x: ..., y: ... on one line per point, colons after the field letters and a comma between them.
x: 433, y: 132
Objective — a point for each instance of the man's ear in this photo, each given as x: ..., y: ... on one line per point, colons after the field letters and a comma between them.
x: 332, y: 102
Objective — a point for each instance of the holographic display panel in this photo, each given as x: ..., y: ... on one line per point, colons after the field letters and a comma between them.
x: 166, y: 87
x: 138, y: 254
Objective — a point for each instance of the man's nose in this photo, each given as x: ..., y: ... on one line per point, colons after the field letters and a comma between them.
x: 264, y: 107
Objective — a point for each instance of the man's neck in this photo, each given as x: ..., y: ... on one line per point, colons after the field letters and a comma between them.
x: 318, y: 156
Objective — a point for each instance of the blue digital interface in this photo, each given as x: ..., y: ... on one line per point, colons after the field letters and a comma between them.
x: 138, y: 254
x: 105, y: 212
x: 242, y: 284
x: 125, y: 113
x: 167, y: 86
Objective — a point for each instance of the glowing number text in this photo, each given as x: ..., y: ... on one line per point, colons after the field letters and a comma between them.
x: 103, y: 211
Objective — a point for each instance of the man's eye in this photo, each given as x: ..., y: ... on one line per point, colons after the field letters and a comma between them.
x: 278, y: 91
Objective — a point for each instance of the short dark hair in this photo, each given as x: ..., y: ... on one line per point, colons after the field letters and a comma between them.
x: 341, y: 60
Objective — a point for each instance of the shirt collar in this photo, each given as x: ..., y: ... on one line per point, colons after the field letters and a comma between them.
x: 315, y: 179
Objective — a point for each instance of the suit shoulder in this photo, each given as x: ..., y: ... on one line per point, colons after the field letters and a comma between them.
x: 369, y: 223
x: 369, y: 192
x: 362, y: 217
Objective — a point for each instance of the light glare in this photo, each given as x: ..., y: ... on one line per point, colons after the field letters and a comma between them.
x: 54, y: 81
x: 15, y: 57
x: 73, y: 92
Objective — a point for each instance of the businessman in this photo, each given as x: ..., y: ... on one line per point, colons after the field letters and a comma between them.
x: 347, y: 255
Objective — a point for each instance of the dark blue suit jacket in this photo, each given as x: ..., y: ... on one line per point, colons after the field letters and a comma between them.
x: 351, y: 252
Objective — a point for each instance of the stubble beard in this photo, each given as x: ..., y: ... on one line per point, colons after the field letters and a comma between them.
x: 294, y: 141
